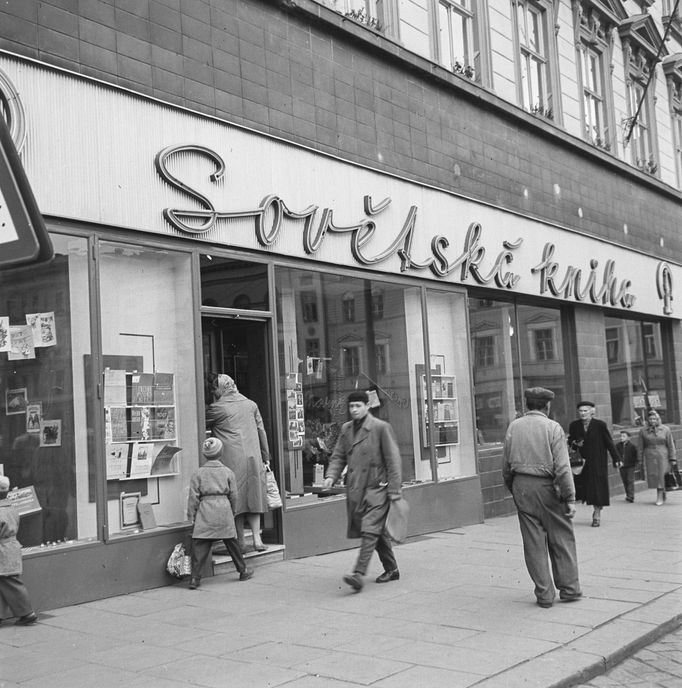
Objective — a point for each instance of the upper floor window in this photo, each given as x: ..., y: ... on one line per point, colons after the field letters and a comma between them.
x: 348, y: 307
x: 455, y: 33
x: 641, y: 42
x: 533, y: 62
x: 594, y: 23
x: 380, y: 15
x: 544, y: 344
x: 672, y: 67
x: 309, y: 306
x: 484, y: 351
x: 612, y: 344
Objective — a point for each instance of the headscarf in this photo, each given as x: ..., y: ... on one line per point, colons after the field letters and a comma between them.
x: 224, y: 384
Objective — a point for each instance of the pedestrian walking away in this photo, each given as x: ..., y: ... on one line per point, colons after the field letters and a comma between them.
x: 368, y: 448
x: 591, y: 437
x: 237, y: 423
x: 536, y: 470
x: 628, y: 455
x: 657, y: 447
x: 210, y: 505
x: 14, y: 599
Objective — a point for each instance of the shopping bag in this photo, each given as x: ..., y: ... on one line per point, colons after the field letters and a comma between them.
x: 273, y: 497
x: 179, y: 562
x: 396, y: 520
x: 577, y: 468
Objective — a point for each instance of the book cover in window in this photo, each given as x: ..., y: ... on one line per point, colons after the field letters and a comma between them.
x: 116, y: 426
x: 163, y: 388
x: 141, y: 459
x: 142, y: 388
x: 163, y: 423
x: 117, y: 461
x: 139, y: 426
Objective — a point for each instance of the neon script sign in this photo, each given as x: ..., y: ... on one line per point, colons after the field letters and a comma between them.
x: 317, y: 223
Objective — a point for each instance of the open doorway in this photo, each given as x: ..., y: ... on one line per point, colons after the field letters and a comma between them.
x: 239, y: 347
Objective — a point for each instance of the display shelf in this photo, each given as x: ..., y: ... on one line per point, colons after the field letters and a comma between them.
x: 442, y: 411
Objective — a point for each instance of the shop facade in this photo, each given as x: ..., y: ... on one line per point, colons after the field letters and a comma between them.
x: 187, y: 246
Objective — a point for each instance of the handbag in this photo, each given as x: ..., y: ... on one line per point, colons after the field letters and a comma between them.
x: 576, y: 461
x: 396, y: 520
x: 577, y: 468
x: 272, y: 493
x: 179, y: 563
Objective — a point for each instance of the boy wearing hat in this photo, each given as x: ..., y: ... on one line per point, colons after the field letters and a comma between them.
x: 368, y: 447
x: 210, y: 506
x: 535, y: 463
x: 13, y: 593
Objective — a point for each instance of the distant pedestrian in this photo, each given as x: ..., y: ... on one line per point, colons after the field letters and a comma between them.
x: 367, y: 446
x: 628, y: 454
x: 657, y: 448
x: 14, y: 600
x: 537, y: 472
x: 212, y: 495
x: 591, y: 437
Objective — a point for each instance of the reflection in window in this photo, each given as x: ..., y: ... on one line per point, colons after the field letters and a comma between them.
x: 484, y: 351
x: 230, y: 283
x: 377, y: 355
x: 46, y: 369
x: 638, y: 376
x: 544, y: 344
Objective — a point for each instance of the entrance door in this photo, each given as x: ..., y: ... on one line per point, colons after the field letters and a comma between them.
x: 239, y: 347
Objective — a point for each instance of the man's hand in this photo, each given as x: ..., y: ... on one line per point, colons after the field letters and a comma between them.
x: 570, y: 509
x: 328, y: 482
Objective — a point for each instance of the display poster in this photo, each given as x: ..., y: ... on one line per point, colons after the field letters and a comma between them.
x: 25, y: 500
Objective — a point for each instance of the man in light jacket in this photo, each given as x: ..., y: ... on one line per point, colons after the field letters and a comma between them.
x: 368, y: 447
x: 537, y: 472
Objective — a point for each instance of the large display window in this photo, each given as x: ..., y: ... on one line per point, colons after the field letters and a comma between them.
x: 150, y: 438
x: 338, y: 333
x: 44, y: 350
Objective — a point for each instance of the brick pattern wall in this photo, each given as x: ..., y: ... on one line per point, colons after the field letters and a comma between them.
x: 307, y: 74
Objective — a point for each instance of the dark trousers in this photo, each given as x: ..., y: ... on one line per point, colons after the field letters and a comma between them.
x: 383, y: 547
x: 547, y: 537
x: 627, y: 475
x: 15, y: 595
x: 201, y: 549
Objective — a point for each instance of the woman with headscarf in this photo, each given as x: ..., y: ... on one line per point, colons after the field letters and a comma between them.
x: 237, y: 423
x: 657, y: 449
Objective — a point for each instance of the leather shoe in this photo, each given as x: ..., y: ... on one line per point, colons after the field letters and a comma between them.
x: 388, y: 576
x: 245, y: 575
x: 27, y: 619
x: 565, y: 597
x: 595, y: 523
x: 544, y: 605
x: 194, y: 583
x: 354, y: 580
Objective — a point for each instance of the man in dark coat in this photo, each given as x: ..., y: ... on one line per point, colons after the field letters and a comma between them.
x: 368, y: 447
x: 591, y: 437
x: 628, y: 455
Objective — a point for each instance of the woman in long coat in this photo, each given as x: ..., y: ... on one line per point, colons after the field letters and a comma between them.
x: 14, y: 600
x: 210, y: 503
x: 592, y: 438
x: 237, y: 423
x: 657, y: 447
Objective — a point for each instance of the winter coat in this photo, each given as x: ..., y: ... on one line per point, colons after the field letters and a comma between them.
x: 236, y: 421
x: 592, y: 485
x: 211, y: 500
x: 657, y: 448
x: 10, y: 549
x: 374, y: 472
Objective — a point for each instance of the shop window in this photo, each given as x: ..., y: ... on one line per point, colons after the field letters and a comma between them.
x: 150, y: 429
x: 229, y: 283
x: 640, y: 377
x: 533, y: 57
x: 44, y: 361
x: 348, y: 355
x: 533, y: 360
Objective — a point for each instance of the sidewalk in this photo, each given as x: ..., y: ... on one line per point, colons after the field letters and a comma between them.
x: 463, y: 614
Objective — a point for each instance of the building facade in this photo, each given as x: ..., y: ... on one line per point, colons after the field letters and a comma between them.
x: 439, y: 202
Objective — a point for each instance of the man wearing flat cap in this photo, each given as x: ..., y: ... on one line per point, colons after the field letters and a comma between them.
x: 591, y: 437
x: 537, y: 472
x: 368, y: 447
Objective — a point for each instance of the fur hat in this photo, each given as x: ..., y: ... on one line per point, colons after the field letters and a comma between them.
x: 358, y: 395
x: 212, y: 448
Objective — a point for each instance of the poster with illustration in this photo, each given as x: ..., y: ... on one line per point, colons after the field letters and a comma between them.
x: 16, y: 401
x: 43, y: 328
x: 4, y: 334
x: 21, y: 343
x: 50, y: 433
x: 34, y: 414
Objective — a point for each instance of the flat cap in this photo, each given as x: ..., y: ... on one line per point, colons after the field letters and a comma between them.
x: 539, y: 393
